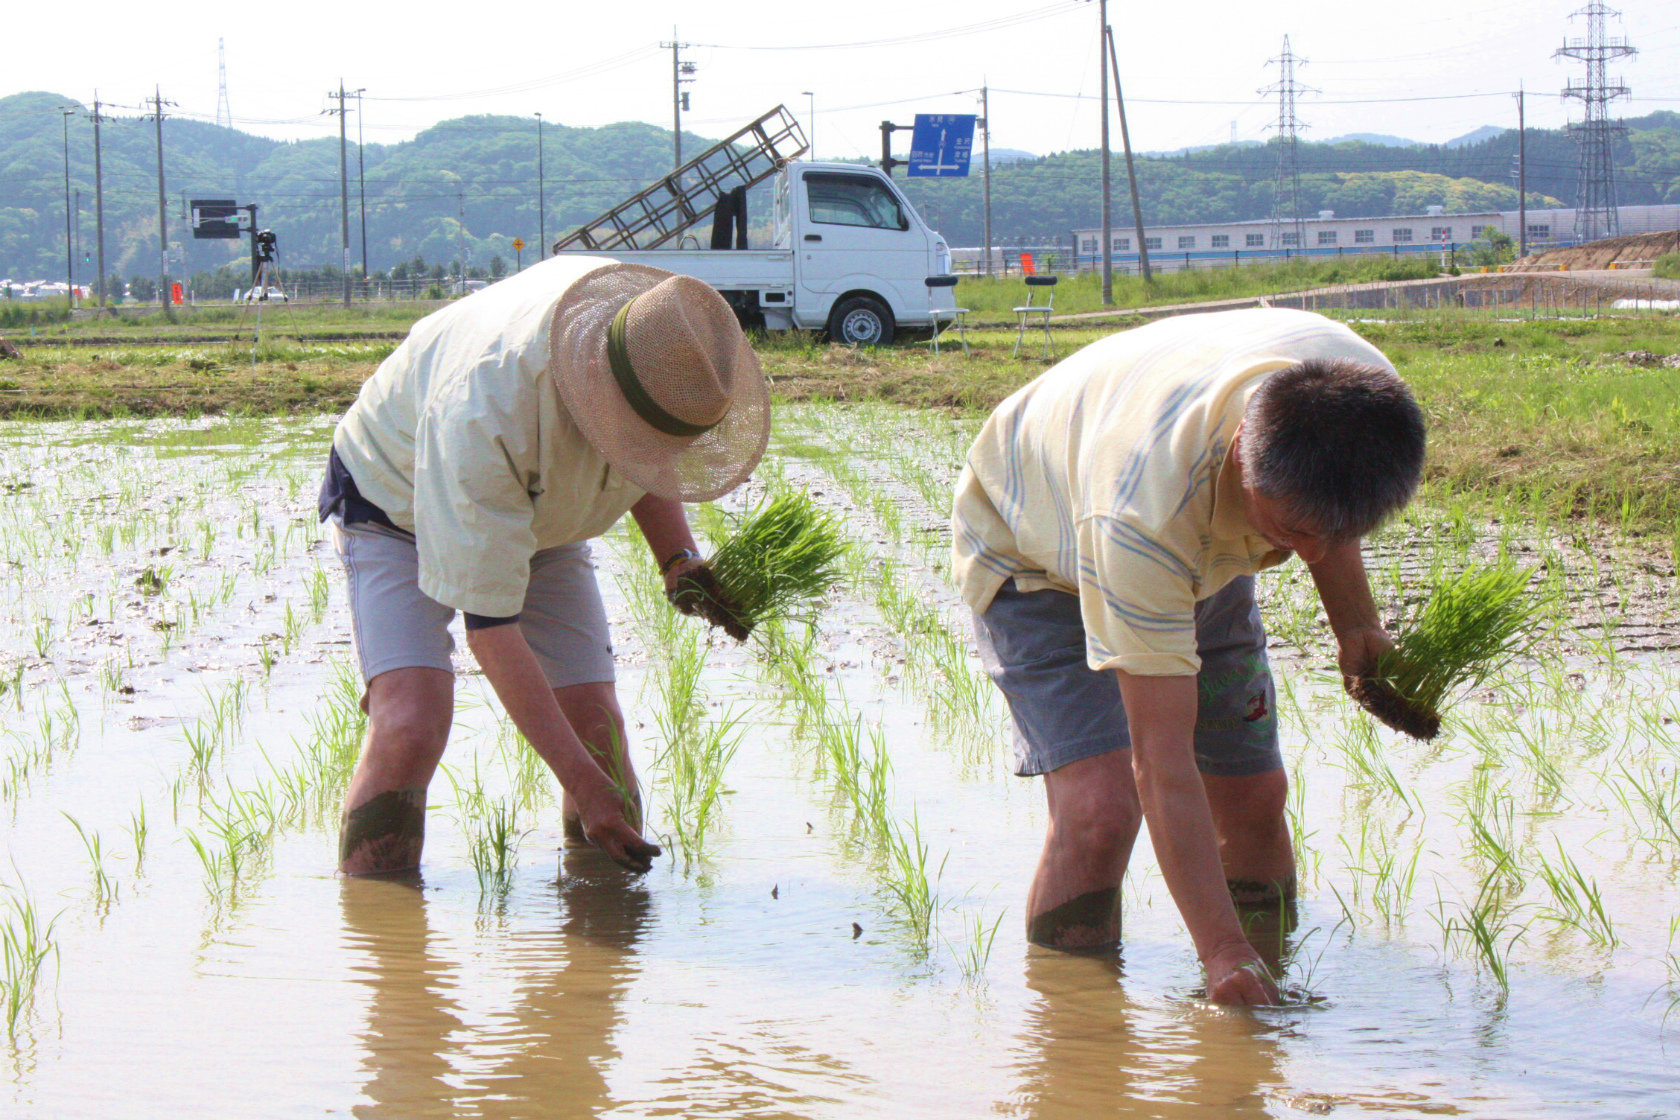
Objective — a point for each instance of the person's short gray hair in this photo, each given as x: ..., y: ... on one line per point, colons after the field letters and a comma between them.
x: 1339, y: 444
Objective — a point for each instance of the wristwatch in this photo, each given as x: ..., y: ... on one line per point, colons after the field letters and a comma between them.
x: 676, y: 558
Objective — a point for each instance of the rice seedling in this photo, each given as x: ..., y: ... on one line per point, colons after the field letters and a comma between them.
x: 137, y: 834
x: 1366, y: 763
x: 319, y: 588
x: 529, y: 777
x: 1469, y: 626
x: 1654, y: 795
x: 862, y: 779
x: 975, y: 951
x: 906, y: 882
x: 1484, y: 924
x: 492, y: 830
x: 42, y: 636
x: 154, y: 578
x: 104, y: 887
x: 1576, y: 900
x: 241, y: 830
x: 774, y: 562
x: 691, y: 778
x: 26, y: 941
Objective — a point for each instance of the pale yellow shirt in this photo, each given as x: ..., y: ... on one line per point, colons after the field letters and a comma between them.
x: 1110, y: 477
x: 461, y: 438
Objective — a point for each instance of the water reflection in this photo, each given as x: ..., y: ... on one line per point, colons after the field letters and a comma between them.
x: 1091, y: 1051
x: 544, y: 1055
x: 411, y: 1014
x: 559, y: 1042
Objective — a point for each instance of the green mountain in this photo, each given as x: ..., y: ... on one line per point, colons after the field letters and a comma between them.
x: 465, y: 188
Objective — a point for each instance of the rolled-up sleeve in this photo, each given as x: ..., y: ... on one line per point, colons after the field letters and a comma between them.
x: 473, y: 510
x: 1137, y: 601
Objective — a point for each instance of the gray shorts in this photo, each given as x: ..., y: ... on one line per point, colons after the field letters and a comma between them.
x: 396, y: 626
x: 1032, y: 645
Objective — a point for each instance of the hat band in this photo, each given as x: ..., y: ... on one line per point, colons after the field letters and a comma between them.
x: 618, y: 358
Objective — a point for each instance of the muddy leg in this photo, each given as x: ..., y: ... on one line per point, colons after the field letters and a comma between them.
x: 1074, y: 902
x: 384, y: 824
x: 1254, y: 843
x: 593, y: 712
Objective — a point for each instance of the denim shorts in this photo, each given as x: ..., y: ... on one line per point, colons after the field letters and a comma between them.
x: 397, y: 626
x: 1032, y: 645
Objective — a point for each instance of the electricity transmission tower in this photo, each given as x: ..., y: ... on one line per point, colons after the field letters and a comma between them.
x: 1596, y: 134
x: 1288, y: 230
x: 224, y: 115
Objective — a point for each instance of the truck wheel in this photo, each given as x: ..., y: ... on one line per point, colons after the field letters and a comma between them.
x: 861, y: 321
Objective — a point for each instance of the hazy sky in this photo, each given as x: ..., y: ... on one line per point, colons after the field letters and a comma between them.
x: 1429, y: 69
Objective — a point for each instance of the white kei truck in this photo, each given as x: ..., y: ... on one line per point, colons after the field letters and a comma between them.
x: 849, y: 255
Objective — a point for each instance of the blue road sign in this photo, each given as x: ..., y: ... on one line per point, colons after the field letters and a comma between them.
x: 940, y: 144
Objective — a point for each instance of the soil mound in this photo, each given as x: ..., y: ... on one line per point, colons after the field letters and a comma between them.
x: 1601, y: 254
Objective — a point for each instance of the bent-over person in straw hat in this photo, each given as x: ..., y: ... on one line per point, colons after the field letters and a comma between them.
x: 473, y: 469
x: 1106, y: 531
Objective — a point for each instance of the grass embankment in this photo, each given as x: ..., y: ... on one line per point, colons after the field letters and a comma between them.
x: 51, y: 319
x: 993, y: 300
x: 61, y: 382
x: 1667, y: 266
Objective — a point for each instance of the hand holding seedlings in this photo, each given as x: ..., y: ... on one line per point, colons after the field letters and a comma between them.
x: 693, y: 589
x: 1468, y: 626
x: 775, y: 562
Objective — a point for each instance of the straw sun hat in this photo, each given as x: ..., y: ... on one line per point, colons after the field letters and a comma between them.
x: 655, y: 371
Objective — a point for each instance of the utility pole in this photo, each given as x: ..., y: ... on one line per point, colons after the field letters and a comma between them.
x: 681, y: 72
x: 542, y: 199
x: 99, y: 198
x: 1522, y: 178
x: 69, y: 242
x: 1131, y: 169
x: 163, y: 219
x: 361, y: 187
x: 986, y: 171
x: 343, y: 185
x: 1107, y: 229
x: 811, y: 116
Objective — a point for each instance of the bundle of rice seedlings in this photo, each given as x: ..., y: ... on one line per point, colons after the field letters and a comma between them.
x: 774, y: 562
x: 1468, y: 627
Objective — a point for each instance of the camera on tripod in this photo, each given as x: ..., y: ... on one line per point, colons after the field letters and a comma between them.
x: 266, y: 245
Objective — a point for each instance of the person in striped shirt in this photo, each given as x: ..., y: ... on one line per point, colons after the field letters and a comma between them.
x: 1106, y: 528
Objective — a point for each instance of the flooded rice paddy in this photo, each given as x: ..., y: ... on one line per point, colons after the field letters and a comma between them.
x: 1487, y: 924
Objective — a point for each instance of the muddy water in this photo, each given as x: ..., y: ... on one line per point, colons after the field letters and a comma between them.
x: 770, y: 975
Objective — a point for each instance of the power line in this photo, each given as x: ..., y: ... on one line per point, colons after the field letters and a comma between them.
x: 921, y: 36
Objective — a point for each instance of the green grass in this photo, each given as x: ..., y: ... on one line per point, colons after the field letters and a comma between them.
x: 1667, y: 266
x: 994, y: 299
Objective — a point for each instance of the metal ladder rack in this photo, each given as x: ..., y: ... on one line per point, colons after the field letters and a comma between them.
x: 680, y: 200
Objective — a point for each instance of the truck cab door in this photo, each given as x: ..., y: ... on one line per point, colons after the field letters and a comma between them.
x: 855, y: 232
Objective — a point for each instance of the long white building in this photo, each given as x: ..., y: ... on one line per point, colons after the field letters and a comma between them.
x: 1211, y: 244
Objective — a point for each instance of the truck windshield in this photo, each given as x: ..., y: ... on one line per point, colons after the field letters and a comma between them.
x: 853, y: 200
